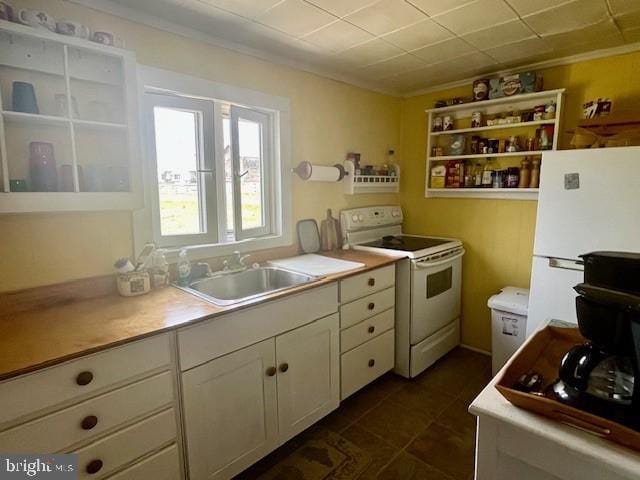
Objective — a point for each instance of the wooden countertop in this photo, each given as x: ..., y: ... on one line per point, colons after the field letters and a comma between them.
x: 44, y: 336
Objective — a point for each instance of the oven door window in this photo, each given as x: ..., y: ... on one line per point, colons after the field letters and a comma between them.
x: 439, y: 282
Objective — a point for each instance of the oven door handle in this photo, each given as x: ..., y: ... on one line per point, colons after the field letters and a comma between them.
x: 437, y: 263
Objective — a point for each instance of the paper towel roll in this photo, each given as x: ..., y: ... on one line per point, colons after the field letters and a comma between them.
x: 319, y: 173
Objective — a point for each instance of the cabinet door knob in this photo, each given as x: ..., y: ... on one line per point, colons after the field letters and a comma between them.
x: 371, y: 329
x: 89, y: 422
x: 284, y: 367
x: 84, y: 378
x: 94, y: 466
x: 372, y: 282
x: 371, y: 306
x: 271, y: 371
x: 372, y: 362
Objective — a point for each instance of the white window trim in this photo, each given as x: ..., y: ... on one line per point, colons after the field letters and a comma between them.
x: 277, y: 107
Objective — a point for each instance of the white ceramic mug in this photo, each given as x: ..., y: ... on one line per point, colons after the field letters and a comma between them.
x: 36, y: 19
x: 72, y: 29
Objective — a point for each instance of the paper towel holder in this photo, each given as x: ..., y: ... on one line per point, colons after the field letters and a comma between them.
x: 305, y: 170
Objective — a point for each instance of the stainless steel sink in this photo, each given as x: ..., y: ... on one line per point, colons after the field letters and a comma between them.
x: 229, y: 288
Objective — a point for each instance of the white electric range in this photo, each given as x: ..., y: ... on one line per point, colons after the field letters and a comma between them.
x: 428, y: 283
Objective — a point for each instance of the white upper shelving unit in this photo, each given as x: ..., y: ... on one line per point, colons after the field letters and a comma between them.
x: 95, y: 142
x: 354, y: 184
x: 490, y: 107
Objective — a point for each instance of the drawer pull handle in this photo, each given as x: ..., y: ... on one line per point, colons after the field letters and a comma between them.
x: 271, y: 371
x: 94, y: 466
x: 84, y: 378
x: 371, y: 306
x: 284, y: 367
x: 371, y: 329
x: 372, y: 362
x: 372, y: 282
x: 89, y: 422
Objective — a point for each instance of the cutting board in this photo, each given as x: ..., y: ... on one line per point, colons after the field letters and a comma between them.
x: 318, y: 265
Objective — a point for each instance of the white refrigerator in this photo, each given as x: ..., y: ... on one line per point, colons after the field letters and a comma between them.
x: 589, y: 200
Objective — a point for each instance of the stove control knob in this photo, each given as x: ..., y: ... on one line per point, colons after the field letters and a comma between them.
x: 361, y: 218
x: 354, y: 217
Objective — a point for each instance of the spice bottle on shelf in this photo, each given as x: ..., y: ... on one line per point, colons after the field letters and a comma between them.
x: 487, y: 173
x: 535, y: 173
x: 525, y: 173
x: 477, y: 175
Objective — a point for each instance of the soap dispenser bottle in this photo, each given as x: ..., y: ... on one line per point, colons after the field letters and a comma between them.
x: 184, y: 268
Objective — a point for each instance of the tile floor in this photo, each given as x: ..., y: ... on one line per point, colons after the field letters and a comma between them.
x: 412, y: 429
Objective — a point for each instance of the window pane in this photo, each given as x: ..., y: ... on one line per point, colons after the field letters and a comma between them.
x: 250, y: 153
x: 228, y: 175
x: 177, y: 159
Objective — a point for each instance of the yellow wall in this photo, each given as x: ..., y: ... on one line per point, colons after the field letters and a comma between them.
x: 498, y: 234
x: 329, y: 118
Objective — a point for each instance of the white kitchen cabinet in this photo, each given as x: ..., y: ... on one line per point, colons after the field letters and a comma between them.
x: 241, y: 406
x: 230, y: 411
x: 308, y: 373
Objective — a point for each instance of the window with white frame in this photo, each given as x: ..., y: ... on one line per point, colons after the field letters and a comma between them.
x: 214, y: 170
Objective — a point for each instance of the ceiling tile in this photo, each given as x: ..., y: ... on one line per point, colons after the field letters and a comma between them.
x: 340, y: 8
x: 442, y: 51
x: 435, y: 7
x: 620, y: 7
x: 476, y: 62
x: 244, y: 8
x: 629, y: 21
x: 385, y: 16
x: 519, y: 50
x: 476, y: 16
x: 632, y: 36
x: 338, y: 36
x: 502, y: 34
x: 527, y: 7
x: 366, y: 53
x: 392, y: 66
x: 418, y: 35
x: 569, y: 16
x: 581, y: 36
x: 295, y: 17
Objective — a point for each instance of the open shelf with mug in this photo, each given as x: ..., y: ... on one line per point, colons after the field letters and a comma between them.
x: 68, y: 124
x: 521, y: 127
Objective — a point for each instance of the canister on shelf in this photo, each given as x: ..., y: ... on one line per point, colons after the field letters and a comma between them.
x: 513, y: 177
x: 535, y: 173
x: 456, y: 147
x: 494, y: 145
x: 513, y: 144
x: 525, y: 173
x: 437, y: 124
x: 476, y: 119
x: 447, y: 122
x: 475, y: 145
x: 480, y: 89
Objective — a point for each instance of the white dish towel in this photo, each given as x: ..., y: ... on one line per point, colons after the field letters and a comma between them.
x: 317, y: 265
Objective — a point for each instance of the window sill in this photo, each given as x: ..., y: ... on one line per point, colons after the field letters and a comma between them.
x: 201, y: 252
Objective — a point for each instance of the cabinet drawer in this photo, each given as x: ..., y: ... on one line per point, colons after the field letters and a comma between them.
x: 46, y: 388
x: 366, y: 283
x: 60, y: 430
x: 367, y: 362
x: 231, y: 332
x: 126, y: 445
x: 366, y: 307
x: 164, y: 465
x: 366, y: 330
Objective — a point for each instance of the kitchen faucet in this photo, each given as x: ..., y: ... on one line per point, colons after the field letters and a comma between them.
x: 236, y: 263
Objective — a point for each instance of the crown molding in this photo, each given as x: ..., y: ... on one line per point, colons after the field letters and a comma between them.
x: 581, y: 57
x: 131, y: 14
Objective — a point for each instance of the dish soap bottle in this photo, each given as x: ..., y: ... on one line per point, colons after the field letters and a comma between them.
x: 184, y: 268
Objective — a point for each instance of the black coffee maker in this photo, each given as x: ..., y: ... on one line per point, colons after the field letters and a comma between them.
x: 603, y: 375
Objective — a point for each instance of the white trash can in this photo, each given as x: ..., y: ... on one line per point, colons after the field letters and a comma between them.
x: 508, y: 324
